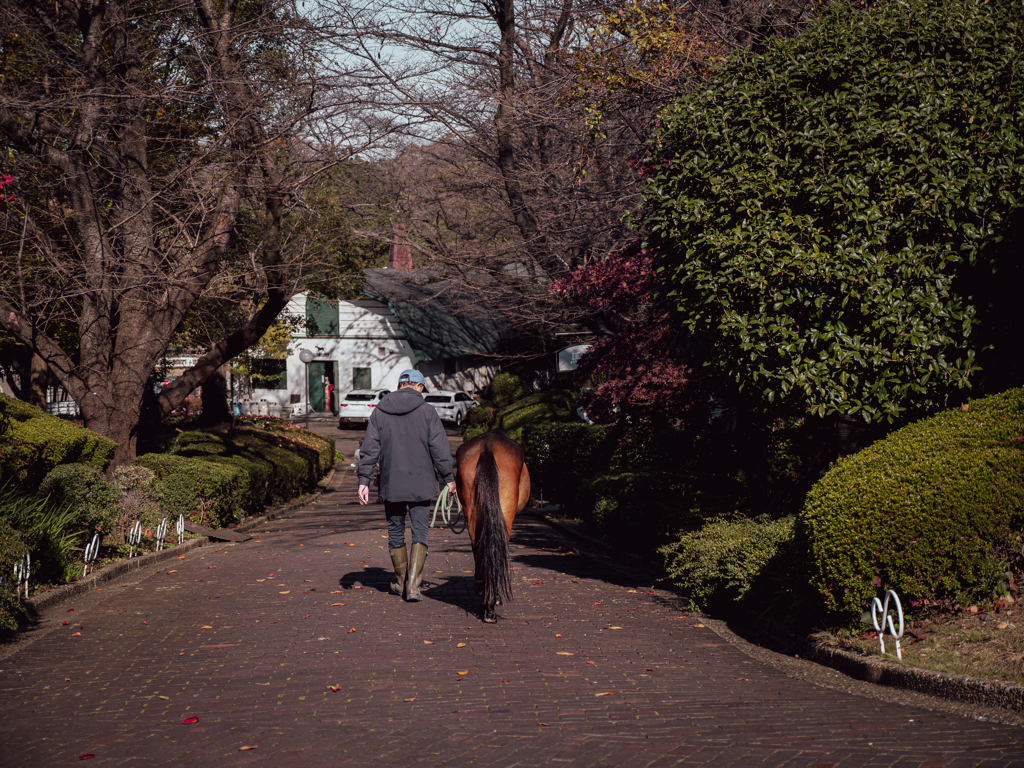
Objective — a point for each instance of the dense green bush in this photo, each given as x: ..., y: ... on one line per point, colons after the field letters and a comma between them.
x: 87, y: 493
x: 828, y: 215
x: 205, y: 492
x: 32, y: 443
x: 47, y: 529
x: 728, y: 561
x: 924, y: 511
x: 12, y: 549
x: 506, y: 388
x: 561, y: 456
x: 219, y: 479
x: 135, y: 486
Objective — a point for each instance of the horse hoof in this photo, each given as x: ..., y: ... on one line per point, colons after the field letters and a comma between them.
x: 490, y: 619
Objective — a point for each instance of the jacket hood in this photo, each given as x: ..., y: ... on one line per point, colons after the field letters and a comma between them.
x: 401, y: 402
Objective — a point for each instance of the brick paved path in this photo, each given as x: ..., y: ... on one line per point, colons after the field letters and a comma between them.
x: 584, y: 668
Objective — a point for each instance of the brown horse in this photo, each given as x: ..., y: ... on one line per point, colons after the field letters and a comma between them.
x: 493, y: 485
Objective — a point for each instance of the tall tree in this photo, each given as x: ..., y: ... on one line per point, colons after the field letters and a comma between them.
x: 161, y: 151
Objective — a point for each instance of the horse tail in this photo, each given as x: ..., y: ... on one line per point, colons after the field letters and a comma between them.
x: 491, y: 548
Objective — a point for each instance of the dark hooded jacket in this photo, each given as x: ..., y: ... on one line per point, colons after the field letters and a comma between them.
x: 406, y: 436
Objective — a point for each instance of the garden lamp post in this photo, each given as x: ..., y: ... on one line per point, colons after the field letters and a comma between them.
x: 306, y: 357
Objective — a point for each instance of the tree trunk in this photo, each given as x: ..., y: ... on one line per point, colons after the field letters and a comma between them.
x: 215, y: 398
x: 38, y: 380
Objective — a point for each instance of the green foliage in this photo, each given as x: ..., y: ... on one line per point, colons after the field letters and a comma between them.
x: 215, y: 480
x: 926, y: 511
x: 12, y: 549
x: 47, y: 529
x: 505, y: 388
x: 561, y: 456
x: 816, y: 207
x: 32, y: 443
x: 87, y: 493
x: 728, y: 561
x: 135, y: 487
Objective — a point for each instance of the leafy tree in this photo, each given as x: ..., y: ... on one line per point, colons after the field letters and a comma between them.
x: 828, y: 216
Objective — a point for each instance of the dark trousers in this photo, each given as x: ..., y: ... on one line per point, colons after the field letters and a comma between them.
x: 419, y: 521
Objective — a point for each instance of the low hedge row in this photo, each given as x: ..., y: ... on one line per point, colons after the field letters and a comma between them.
x: 926, y: 511
x: 562, y: 456
x: 32, y: 443
x: 731, y: 562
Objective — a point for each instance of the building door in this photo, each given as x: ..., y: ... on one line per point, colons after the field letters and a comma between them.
x: 317, y: 386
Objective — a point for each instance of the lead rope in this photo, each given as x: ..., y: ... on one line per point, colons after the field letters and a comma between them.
x: 445, y: 501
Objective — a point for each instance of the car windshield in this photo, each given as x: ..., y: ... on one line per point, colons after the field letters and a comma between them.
x: 438, y: 398
x: 358, y: 398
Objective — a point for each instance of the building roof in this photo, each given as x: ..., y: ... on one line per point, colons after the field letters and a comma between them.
x: 440, y: 317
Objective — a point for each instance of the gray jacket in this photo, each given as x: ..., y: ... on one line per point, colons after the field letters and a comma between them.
x: 406, y: 436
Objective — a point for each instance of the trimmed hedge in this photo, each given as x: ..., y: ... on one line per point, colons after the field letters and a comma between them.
x: 87, y: 493
x: 561, y: 456
x: 218, y: 480
x: 924, y: 511
x: 33, y: 442
x: 730, y: 561
x: 12, y: 549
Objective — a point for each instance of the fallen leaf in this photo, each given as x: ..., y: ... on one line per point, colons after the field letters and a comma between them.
x: 270, y: 575
x: 165, y: 698
x: 334, y: 688
x: 357, y: 587
x: 145, y: 622
x: 428, y: 642
x: 696, y: 625
x: 211, y: 566
x: 351, y: 630
x: 564, y: 653
x: 334, y: 604
x: 338, y: 592
x: 181, y: 557
x: 206, y: 627
x: 260, y: 579
x: 557, y: 635
x: 248, y: 746
x: 63, y: 623
x: 614, y: 627
x: 307, y: 580
x: 174, y: 571
x: 77, y: 634
x: 632, y: 591
x: 543, y: 725
x: 412, y: 699
x: 460, y: 645
x: 286, y: 592
x: 463, y: 673
x: 190, y: 720
x: 86, y: 757
x: 67, y: 679
x: 70, y: 610
x: 351, y: 545
x: 591, y: 662
x: 1002, y: 625
x: 606, y: 693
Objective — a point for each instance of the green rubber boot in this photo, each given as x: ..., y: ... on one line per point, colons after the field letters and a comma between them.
x: 417, y: 558
x: 399, y: 559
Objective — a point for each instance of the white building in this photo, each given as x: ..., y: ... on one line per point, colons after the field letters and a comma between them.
x: 405, y: 319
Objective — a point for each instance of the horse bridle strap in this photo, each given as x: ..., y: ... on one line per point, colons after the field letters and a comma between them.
x: 446, y: 500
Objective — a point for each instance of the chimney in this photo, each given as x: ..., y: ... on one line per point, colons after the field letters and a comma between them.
x: 400, y: 253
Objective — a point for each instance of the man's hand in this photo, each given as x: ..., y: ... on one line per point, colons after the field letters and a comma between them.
x: 451, y: 487
x: 364, y: 494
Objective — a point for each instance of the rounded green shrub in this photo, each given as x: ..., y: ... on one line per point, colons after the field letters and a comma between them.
x: 728, y: 561
x: 86, y: 492
x: 12, y: 549
x: 924, y: 511
x: 506, y: 387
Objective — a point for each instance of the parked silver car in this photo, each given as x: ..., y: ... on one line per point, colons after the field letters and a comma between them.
x: 451, y: 406
x: 358, y: 405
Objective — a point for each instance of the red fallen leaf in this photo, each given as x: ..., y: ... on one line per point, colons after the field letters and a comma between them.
x: 542, y: 725
x: 181, y: 557
x: 334, y: 688
x: 596, y: 602
x: 211, y: 566
x: 351, y: 630
x: 200, y: 579
x: 269, y: 575
x: 86, y: 757
x: 557, y: 635
x: 70, y: 610
x: 357, y: 587
x: 306, y: 616
x: 77, y: 634
x: 64, y: 623
x: 190, y: 720
x: 145, y: 622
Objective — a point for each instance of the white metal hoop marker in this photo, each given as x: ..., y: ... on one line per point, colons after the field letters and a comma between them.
x: 878, y: 608
x: 134, y: 538
x: 180, y: 528
x: 91, y: 550
x: 22, y: 571
x: 161, y: 532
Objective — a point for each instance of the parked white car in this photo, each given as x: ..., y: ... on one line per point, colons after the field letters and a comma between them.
x: 451, y: 406
x: 358, y: 405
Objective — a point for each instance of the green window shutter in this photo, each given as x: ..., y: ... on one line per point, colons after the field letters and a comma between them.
x: 361, y: 378
x: 322, y: 317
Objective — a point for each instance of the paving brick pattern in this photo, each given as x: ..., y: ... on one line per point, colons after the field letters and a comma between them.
x: 584, y: 668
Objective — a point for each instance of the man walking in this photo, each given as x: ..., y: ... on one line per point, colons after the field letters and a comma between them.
x: 406, y: 436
